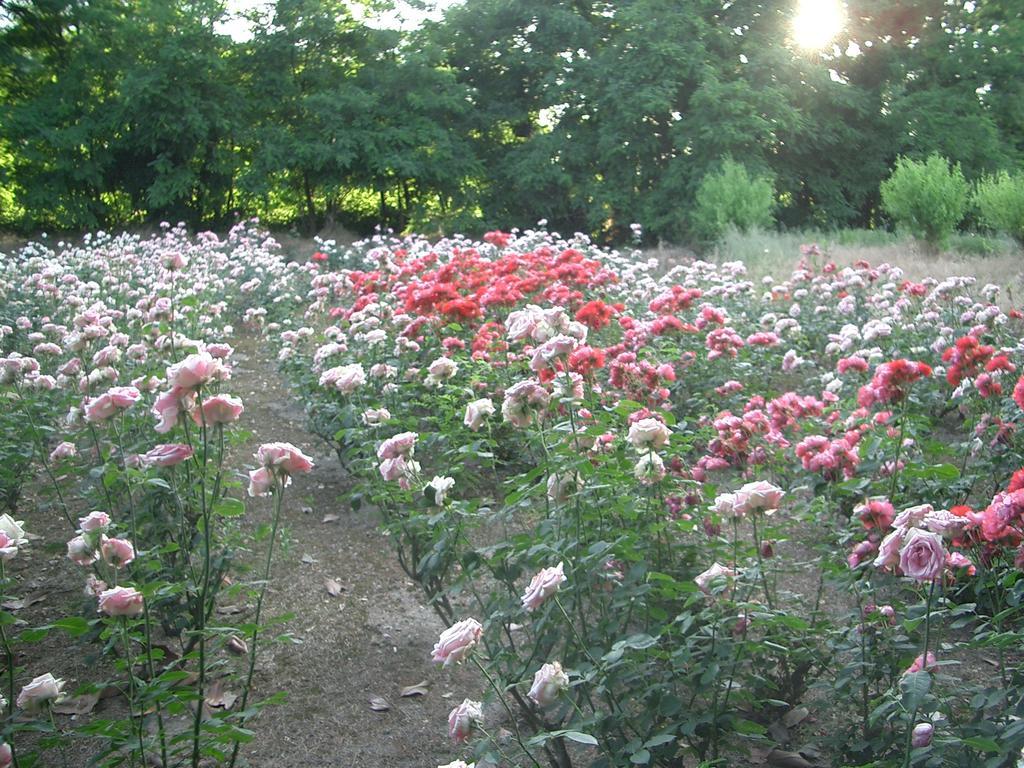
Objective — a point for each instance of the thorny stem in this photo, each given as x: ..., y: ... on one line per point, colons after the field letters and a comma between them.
x: 254, y: 637
x: 151, y: 668
x: 508, y: 710
x: 924, y: 666
x: 9, y: 660
x: 204, y: 591
x: 132, y: 691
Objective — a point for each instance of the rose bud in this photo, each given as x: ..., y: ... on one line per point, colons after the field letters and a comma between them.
x: 922, y: 735
x: 549, y: 681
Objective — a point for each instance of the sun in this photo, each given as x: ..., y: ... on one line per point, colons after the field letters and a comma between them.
x: 818, y: 22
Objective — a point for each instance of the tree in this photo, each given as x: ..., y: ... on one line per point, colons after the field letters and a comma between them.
x: 927, y: 199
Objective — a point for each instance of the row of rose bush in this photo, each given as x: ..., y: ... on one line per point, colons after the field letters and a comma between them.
x: 116, y: 371
x: 657, y: 622
x: 728, y: 504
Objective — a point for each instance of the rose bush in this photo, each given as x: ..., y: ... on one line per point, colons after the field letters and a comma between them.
x: 663, y: 436
x: 682, y: 509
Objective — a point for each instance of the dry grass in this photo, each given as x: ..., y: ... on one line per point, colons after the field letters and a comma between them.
x: 777, y: 255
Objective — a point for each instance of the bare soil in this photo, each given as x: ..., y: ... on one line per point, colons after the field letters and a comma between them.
x: 372, y: 640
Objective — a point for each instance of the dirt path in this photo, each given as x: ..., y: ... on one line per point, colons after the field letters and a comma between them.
x: 372, y: 640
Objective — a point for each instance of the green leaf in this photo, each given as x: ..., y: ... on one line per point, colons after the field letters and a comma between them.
x: 982, y: 743
x: 580, y: 737
x: 748, y: 727
x: 229, y: 508
x: 915, y: 686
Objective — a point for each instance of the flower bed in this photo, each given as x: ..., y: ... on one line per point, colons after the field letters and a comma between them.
x: 671, y: 519
x: 686, y: 517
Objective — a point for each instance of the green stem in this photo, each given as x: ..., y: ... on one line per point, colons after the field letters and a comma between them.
x: 203, y: 592
x: 511, y: 715
x: 760, y: 562
x: 132, y: 692
x: 924, y: 667
x: 899, y: 451
x: 254, y: 637
x: 9, y: 660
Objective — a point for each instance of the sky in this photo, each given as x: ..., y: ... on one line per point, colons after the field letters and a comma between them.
x: 405, y: 17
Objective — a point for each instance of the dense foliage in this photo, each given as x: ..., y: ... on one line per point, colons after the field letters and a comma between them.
x: 928, y: 199
x: 592, y: 115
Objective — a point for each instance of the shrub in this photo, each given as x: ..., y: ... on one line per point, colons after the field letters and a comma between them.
x: 927, y: 199
x: 731, y: 197
x: 999, y: 201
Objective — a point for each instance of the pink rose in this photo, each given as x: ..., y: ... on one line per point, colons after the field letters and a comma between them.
x: 6, y: 756
x: 542, y: 586
x: 167, y: 455
x: 860, y: 553
x: 81, y: 552
x: 922, y: 556
x: 220, y: 350
x: 725, y: 504
x: 462, y: 718
x: 477, y: 413
x: 283, y: 458
x: 260, y: 482
x: 911, y: 517
x: 169, y: 406
x: 648, y: 434
x: 345, y: 378
x: 401, y: 445
x: 63, y: 451
x: 195, y: 371
x: 956, y: 560
x: 758, y: 496
x: 8, y: 549
x: 889, y: 549
x: 111, y: 402
x: 117, y: 552
x: 43, y: 689
x: 456, y: 642
x: 922, y: 663
x: 121, y: 601
x: 548, y: 682
x: 94, y: 521
x: 716, y: 571
x: 93, y: 586
x: 219, y: 409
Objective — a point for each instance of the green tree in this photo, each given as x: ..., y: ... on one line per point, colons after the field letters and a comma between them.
x: 999, y: 200
x: 730, y: 197
x: 927, y: 199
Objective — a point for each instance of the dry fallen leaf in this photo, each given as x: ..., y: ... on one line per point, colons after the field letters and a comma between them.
x: 218, y: 697
x: 76, y: 705
x: 329, y: 518
x: 420, y: 689
x: 17, y: 603
x: 333, y: 587
x: 379, y: 704
x: 795, y: 716
x: 784, y: 759
x: 229, y: 610
x: 237, y: 646
x: 308, y: 559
